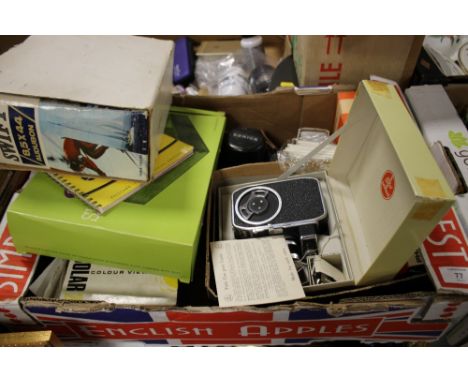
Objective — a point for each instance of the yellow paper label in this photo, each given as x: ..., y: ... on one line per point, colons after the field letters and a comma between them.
x: 430, y: 188
x: 379, y: 88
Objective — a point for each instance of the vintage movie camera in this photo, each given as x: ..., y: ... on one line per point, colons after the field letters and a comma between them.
x: 293, y: 207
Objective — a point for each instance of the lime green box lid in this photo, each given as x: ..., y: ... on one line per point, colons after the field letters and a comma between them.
x: 160, y: 236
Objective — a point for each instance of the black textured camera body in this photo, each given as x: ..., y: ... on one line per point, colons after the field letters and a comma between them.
x: 278, y: 206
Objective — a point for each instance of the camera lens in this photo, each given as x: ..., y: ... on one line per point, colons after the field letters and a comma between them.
x: 257, y: 204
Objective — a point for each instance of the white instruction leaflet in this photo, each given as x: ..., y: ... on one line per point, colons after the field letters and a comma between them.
x: 254, y: 271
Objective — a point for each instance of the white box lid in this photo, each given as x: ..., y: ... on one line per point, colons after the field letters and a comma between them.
x: 439, y: 121
x: 116, y: 71
x: 388, y: 190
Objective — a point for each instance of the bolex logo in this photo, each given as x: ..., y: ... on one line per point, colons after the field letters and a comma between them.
x: 387, y: 185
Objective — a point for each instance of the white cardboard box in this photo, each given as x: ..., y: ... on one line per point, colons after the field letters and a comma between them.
x: 387, y: 187
x: 111, y: 92
x: 446, y: 249
x: 439, y: 122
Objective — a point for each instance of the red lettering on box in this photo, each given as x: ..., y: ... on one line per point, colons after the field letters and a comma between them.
x: 330, y: 68
x: 340, y: 43
x: 328, y: 43
x: 446, y: 248
x: 15, y: 268
x: 364, y: 327
x: 334, y: 47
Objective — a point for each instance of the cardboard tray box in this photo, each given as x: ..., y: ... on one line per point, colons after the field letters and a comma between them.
x: 391, y: 319
x: 406, y: 310
x: 95, y: 105
x: 368, y: 314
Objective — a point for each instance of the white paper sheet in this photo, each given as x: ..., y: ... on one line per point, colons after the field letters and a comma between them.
x: 46, y: 283
x: 254, y: 271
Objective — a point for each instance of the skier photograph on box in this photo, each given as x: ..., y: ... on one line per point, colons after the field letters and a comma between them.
x: 78, y: 153
x: 94, y: 140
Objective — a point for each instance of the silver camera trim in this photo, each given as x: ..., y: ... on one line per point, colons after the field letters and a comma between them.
x: 239, y: 215
x: 296, y: 223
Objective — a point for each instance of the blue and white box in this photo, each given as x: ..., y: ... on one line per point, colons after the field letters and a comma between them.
x: 92, y: 105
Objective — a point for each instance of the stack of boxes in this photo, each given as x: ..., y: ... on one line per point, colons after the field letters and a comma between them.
x: 97, y: 106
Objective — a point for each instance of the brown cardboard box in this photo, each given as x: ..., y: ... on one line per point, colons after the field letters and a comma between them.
x: 325, y: 60
x: 279, y: 114
x: 405, y: 310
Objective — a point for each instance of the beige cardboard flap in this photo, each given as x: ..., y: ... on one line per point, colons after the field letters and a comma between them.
x: 323, y: 60
x: 103, y: 70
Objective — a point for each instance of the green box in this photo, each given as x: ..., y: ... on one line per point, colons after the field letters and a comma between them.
x: 157, y: 235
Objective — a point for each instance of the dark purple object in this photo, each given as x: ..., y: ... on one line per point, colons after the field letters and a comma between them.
x: 183, y: 62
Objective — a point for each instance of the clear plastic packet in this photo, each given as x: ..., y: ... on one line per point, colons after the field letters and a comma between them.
x: 295, y: 149
x: 221, y: 75
x: 312, y: 134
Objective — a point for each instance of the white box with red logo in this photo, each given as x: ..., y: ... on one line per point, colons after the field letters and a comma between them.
x: 445, y: 250
x: 16, y: 272
x: 388, y: 190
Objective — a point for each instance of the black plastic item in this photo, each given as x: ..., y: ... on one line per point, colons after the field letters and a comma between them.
x: 260, y: 78
x: 284, y: 72
x: 243, y: 145
x: 427, y: 72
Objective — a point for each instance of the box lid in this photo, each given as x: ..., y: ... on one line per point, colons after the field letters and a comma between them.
x: 388, y: 189
x: 117, y: 71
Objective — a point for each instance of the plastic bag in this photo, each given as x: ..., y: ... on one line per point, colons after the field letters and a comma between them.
x: 221, y: 75
x: 297, y: 148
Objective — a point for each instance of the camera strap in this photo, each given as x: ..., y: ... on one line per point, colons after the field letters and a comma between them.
x: 291, y: 170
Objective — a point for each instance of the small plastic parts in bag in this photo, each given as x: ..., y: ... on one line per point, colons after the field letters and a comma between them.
x: 307, y: 139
